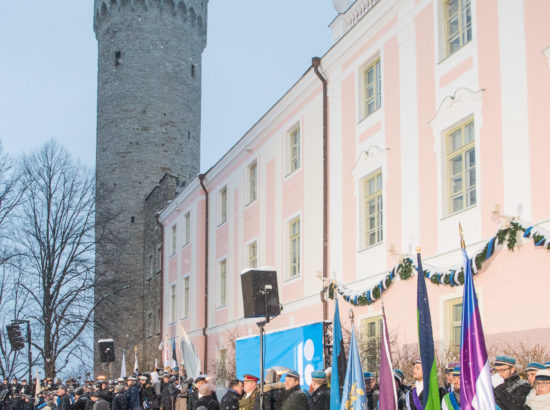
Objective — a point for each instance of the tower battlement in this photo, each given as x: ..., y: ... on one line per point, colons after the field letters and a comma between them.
x: 192, y: 13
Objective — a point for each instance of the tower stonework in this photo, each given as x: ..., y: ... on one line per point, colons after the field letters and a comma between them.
x: 148, y: 125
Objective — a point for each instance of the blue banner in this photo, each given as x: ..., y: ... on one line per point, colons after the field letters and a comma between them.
x: 299, y: 348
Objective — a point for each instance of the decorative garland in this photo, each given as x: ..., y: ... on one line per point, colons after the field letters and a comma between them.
x: 450, y: 276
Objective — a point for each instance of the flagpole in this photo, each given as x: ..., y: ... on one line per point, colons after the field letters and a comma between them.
x: 461, y: 233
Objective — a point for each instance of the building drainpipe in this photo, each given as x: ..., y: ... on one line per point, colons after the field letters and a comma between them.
x: 316, y: 62
x: 201, y: 179
x: 161, y: 226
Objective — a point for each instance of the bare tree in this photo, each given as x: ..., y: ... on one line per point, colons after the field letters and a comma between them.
x: 56, y: 238
x: 11, y: 298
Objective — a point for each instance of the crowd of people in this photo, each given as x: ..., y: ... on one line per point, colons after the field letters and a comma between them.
x: 171, y: 390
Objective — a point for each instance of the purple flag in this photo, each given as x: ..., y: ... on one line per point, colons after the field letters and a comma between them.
x: 476, y: 390
x: 388, y: 393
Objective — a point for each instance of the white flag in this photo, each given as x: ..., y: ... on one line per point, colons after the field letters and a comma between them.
x: 135, y: 363
x: 123, y: 365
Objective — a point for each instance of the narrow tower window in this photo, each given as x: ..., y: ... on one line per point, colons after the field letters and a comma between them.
x: 117, y: 58
x: 192, y: 70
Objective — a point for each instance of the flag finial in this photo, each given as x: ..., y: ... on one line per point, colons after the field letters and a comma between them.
x: 418, y: 249
x: 461, y: 233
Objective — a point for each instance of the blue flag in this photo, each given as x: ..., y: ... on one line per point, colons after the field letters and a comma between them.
x: 354, y: 395
x: 338, y: 361
x: 426, y: 342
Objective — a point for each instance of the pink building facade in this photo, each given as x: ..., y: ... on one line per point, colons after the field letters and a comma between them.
x: 436, y: 114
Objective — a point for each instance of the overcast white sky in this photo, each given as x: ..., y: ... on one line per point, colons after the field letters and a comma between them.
x: 48, y: 67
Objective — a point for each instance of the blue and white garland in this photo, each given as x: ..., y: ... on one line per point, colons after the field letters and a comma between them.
x: 453, y: 276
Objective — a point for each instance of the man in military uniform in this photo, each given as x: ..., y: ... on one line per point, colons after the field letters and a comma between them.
x: 371, y: 390
x: 451, y: 401
x: 320, y: 397
x: 510, y: 390
x: 251, y: 390
x: 449, y: 376
x: 194, y: 395
x: 401, y: 389
x: 295, y: 398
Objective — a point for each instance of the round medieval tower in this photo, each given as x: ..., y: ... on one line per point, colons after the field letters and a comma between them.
x: 148, y: 125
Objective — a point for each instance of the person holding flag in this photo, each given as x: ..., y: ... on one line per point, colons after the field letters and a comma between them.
x: 476, y: 390
x: 451, y: 401
x: 426, y: 396
x: 354, y: 395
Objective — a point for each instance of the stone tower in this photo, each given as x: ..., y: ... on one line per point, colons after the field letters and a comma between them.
x: 148, y: 125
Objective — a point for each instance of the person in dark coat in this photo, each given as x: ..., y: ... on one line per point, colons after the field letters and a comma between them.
x: 132, y: 395
x: 63, y: 399
x: 99, y: 401
x: 274, y: 392
x: 295, y: 398
x: 119, y: 399
x: 401, y: 389
x: 206, y: 398
x: 193, y: 396
x: 510, y: 391
x: 371, y: 390
x: 168, y: 393
x: 320, y: 397
x: 80, y: 399
x: 230, y: 401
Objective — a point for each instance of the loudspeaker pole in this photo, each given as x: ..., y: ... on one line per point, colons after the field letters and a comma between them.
x: 262, y: 331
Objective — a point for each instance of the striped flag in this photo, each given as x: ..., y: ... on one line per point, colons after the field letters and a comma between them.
x: 387, y: 391
x: 431, y: 400
x: 338, y: 361
x: 476, y: 390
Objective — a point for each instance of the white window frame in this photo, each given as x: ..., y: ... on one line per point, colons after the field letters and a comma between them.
x: 379, y: 197
x: 251, y: 182
x: 173, y: 303
x: 460, y: 151
x: 187, y: 228
x: 186, y: 295
x: 375, y: 64
x: 173, y: 239
x: 293, y: 164
x: 249, y: 246
x: 462, y: 26
x: 289, y: 239
x: 221, y: 299
x: 364, y: 325
x: 222, y: 205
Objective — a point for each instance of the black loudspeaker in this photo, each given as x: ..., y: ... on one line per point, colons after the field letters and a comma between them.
x: 253, y: 283
x: 15, y: 337
x: 106, y: 350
